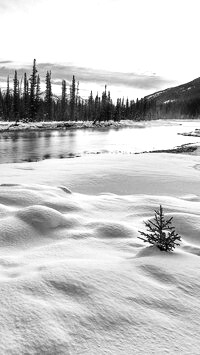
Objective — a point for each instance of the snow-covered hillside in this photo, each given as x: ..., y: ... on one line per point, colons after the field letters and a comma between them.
x: 182, y: 92
x: 75, y: 279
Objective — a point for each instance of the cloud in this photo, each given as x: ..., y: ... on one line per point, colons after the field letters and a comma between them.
x: 4, y: 4
x: 9, y: 5
x: 88, y: 76
x: 5, y: 62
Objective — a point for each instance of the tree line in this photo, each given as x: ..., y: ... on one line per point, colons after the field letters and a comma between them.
x: 149, y: 109
x: 25, y: 101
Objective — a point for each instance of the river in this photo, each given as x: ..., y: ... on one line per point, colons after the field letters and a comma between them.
x: 23, y: 146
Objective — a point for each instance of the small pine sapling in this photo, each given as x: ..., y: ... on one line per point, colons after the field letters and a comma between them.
x: 160, y: 232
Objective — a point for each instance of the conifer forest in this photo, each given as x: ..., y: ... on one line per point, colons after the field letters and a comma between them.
x: 24, y: 100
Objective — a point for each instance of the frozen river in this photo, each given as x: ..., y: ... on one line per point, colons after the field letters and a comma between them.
x: 143, y: 136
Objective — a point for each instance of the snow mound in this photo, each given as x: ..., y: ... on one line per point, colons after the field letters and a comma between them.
x: 188, y: 225
x: 151, y: 251
x: 191, y: 197
x: 159, y: 275
x: 113, y: 230
x: 74, y: 278
x: 41, y: 216
x: 192, y: 249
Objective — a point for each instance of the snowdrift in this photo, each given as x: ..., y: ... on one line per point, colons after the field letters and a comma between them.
x: 75, y: 279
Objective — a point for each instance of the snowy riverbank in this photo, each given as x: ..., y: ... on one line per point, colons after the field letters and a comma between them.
x: 34, y: 126
x: 195, y: 133
x: 52, y: 125
x: 74, y: 277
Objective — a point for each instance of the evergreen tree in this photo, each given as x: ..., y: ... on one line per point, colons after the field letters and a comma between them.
x: 77, y: 94
x: 26, y: 98
x: 16, y: 97
x: 33, y: 85
x: 127, y: 111
x: 90, y: 107
x: 72, y: 98
x: 103, y: 107
x: 97, y: 108
x: 63, y: 100
x: 160, y: 232
x: 109, y: 108
x: 117, y: 113
x: 79, y: 109
x: 48, y: 97
x: 132, y: 109
x: 37, y: 96
x: 8, y: 100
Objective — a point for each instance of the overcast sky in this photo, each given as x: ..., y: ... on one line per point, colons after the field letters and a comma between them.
x: 136, y: 47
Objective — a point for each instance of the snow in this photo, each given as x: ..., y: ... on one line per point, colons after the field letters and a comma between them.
x: 168, y: 101
x: 154, y: 174
x: 50, y: 125
x: 154, y: 96
x: 74, y: 277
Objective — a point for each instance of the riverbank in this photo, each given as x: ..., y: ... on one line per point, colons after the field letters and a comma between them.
x: 73, y: 125
x: 195, y: 133
x: 188, y: 148
x: 58, y: 125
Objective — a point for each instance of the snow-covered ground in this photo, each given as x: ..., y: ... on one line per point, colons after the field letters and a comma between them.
x: 74, y: 277
x: 51, y: 125
x: 195, y: 133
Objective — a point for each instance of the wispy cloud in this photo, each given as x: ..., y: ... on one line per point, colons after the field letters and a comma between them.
x: 5, y: 62
x: 4, y: 4
x: 9, y: 5
x: 88, y: 75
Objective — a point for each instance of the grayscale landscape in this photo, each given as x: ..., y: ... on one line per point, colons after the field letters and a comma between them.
x: 99, y: 177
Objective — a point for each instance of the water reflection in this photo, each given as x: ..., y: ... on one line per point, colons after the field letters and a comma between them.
x: 38, y: 145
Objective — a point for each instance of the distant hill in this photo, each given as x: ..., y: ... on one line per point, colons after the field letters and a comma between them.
x: 184, y: 91
x: 182, y: 101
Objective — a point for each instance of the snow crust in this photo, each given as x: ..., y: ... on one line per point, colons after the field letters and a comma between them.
x: 74, y: 277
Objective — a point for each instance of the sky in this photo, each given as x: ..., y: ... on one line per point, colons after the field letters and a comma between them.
x: 136, y: 47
